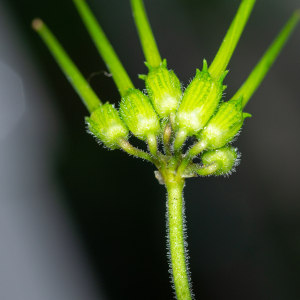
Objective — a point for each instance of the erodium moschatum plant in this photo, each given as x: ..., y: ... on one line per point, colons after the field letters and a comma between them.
x: 168, y: 114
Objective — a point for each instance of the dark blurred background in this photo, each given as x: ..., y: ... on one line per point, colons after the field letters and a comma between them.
x: 80, y: 222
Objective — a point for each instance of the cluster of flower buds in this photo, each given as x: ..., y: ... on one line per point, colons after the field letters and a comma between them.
x: 197, y: 112
x: 165, y: 114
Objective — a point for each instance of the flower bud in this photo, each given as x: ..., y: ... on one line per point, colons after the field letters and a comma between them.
x: 218, y: 162
x: 106, y: 125
x: 164, y: 89
x: 223, y: 127
x: 137, y: 112
x: 199, y: 102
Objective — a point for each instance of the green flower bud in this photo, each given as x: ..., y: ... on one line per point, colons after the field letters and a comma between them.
x: 199, y: 102
x: 224, y: 126
x: 219, y: 162
x: 137, y: 112
x: 163, y: 88
x: 106, y: 125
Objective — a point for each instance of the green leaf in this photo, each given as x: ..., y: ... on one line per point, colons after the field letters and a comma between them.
x: 87, y: 95
x: 264, y: 65
x: 104, y: 47
x: 145, y: 33
x: 231, y: 39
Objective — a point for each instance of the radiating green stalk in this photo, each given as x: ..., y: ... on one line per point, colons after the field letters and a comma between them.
x: 261, y: 69
x: 176, y: 238
x: 145, y: 33
x: 195, y: 150
x: 127, y: 147
x: 104, y: 47
x: 231, y: 39
x: 87, y: 95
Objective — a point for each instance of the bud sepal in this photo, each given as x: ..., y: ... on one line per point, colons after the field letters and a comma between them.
x: 106, y: 125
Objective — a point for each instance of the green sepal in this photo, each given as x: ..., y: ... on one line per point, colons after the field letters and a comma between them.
x: 137, y: 112
x: 224, y: 125
x: 246, y: 115
x: 219, y: 162
x: 199, y: 101
x: 143, y: 76
x: 106, y: 125
x: 148, y: 66
x: 164, y: 89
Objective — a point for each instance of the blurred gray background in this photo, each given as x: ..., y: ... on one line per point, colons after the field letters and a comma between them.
x: 80, y: 222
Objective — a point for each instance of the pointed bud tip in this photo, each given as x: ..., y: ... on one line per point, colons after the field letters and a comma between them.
x: 148, y: 66
x: 37, y: 24
x: 143, y: 77
x: 205, y: 68
x: 198, y: 72
x: 223, y: 75
x: 246, y: 115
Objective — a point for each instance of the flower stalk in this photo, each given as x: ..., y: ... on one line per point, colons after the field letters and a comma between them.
x: 166, y: 115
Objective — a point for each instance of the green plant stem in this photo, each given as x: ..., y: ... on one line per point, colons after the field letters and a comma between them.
x: 264, y: 65
x: 145, y: 33
x: 127, y: 147
x: 180, y: 139
x: 87, y: 95
x: 104, y: 47
x: 195, y: 150
x: 175, y: 213
x: 231, y: 39
x: 152, y: 143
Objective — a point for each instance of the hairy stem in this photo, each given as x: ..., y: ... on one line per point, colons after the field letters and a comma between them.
x: 127, y: 147
x: 176, y: 238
